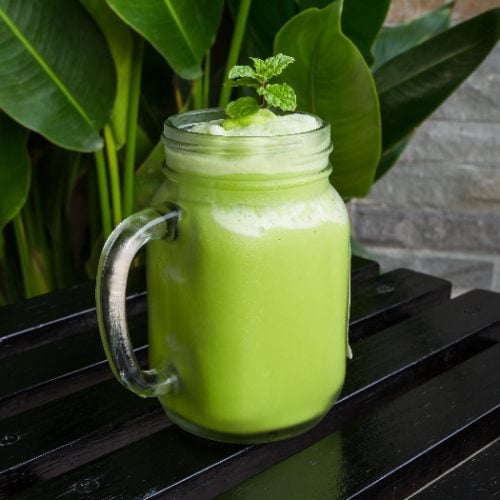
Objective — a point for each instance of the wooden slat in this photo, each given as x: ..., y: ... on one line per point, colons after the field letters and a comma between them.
x: 478, y: 477
x: 60, y: 387
x: 376, y: 303
x: 61, y: 460
x: 392, y: 297
x: 67, y: 355
x: 60, y: 422
x: 172, y: 461
x: 66, y: 312
x: 60, y: 314
x: 363, y: 269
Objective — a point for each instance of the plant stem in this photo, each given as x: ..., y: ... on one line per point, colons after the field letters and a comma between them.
x: 178, y: 94
x: 40, y: 263
x: 41, y: 234
x: 188, y: 104
x: 24, y: 255
x: 206, y: 81
x: 58, y: 233
x: 235, y: 48
x: 93, y: 204
x: 197, y: 91
x: 114, y: 175
x: 102, y: 182
x: 4, y: 288
x: 133, y: 112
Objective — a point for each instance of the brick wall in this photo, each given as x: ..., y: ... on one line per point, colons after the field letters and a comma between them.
x: 402, y: 10
x: 438, y: 210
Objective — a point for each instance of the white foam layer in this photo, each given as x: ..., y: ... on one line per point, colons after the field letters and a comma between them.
x: 293, y: 215
x: 294, y: 123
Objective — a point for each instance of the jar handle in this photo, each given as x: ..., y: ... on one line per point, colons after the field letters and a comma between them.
x: 116, y: 257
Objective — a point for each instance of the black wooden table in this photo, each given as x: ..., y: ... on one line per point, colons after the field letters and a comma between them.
x: 419, y: 413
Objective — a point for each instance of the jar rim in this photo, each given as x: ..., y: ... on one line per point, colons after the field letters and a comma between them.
x: 181, y: 121
x: 216, y: 155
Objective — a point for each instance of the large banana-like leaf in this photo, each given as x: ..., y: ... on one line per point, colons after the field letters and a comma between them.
x: 181, y: 31
x: 412, y: 85
x: 15, y: 170
x: 57, y: 196
x: 157, y: 92
x: 119, y: 38
x: 361, y: 21
x: 332, y: 80
x: 57, y: 75
x: 394, y: 40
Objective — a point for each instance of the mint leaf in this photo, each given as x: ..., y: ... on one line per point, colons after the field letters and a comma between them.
x: 243, y: 76
x: 276, y: 64
x: 260, y: 68
x: 279, y: 95
x: 272, y: 66
x: 262, y: 116
x: 244, y: 82
x: 243, y: 106
x: 242, y: 72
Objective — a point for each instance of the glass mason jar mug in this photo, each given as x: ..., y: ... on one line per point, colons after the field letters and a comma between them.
x: 248, y: 284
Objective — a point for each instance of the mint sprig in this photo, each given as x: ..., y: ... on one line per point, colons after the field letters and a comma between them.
x: 243, y: 106
x: 272, y: 66
x: 276, y: 95
x: 279, y: 95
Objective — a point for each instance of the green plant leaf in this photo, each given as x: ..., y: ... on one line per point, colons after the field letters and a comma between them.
x: 120, y: 42
x: 243, y: 82
x: 412, y: 85
x: 149, y: 177
x: 92, y: 262
x: 157, y: 95
x: 361, y: 21
x: 357, y: 248
x: 279, y: 95
x: 55, y: 177
x: 4, y: 269
x: 264, y: 21
x: 242, y: 72
x: 243, y: 106
x: 394, y: 40
x: 332, y: 80
x: 390, y: 156
x: 11, y: 283
x: 15, y: 169
x: 57, y: 75
x: 272, y: 66
x: 181, y: 31
x: 143, y: 145
x: 313, y: 4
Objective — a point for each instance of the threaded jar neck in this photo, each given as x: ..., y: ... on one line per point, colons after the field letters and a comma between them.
x: 242, y: 157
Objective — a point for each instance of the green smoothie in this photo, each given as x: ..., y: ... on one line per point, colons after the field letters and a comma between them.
x: 249, y: 304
